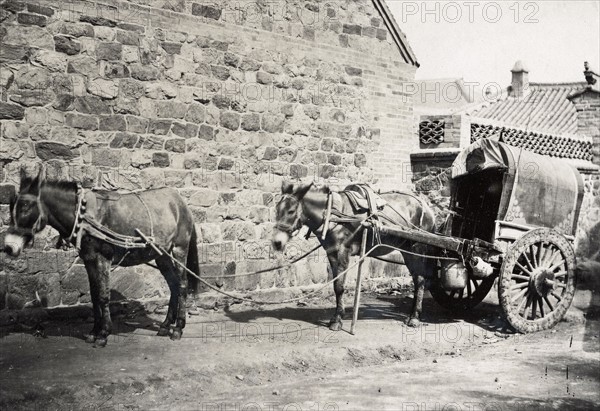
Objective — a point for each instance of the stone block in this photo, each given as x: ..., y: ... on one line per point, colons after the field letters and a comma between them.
x: 208, y: 11
x: 116, y: 70
x: 47, y: 150
x: 381, y: 34
x: 251, y: 122
x: 98, y: 21
x: 104, y: 157
x: 7, y: 193
x: 82, y: 121
x: 206, y: 132
x: 211, y: 233
x: 109, y: 51
x: 352, y: 29
x: 204, y: 198
x: 91, y: 105
x: 77, y: 29
x: 100, y: 87
x: 161, y: 159
x: 196, y: 113
x: 171, y: 109
x: 137, y: 124
x: 112, y: 123
x: 176, y: 145
x: 32, y: 19
x: 9, y: 111
x: 51, y: 60
x: 353, y: 71
x: 67, y: 45
x: 83, y: 65
x: 360, y: 160
x: 129, y: 38
x: 13, y: 130
x: 144, y: 72
x: 160, y: 127
x: 124, y: 140
x: 230, y: 120
x: 264, y: 78
x: 273, y: 123
x: 186, y: 130
x: 131, y: 89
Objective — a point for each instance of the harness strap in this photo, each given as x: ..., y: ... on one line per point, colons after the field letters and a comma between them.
x: 86, y: 224
x: 327, y: 215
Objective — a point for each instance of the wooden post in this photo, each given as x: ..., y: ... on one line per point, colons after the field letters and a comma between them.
x: 363, y: 247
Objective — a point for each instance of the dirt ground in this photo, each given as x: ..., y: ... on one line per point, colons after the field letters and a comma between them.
x: 245, y: 357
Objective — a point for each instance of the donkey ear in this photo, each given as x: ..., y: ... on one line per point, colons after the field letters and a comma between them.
x: 301, y: 191
x: 287, y: 187
x: 23, y: 175
x: 41, y: 177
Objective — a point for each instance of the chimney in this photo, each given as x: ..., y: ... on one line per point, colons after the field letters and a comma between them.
x: 519, y: 86
x: 587, y: 105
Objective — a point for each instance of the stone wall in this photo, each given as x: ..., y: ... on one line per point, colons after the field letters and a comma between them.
x: 220, y: 100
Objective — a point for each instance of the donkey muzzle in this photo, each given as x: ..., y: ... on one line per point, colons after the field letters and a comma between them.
x: 13, y: 244
x: 280, y: 239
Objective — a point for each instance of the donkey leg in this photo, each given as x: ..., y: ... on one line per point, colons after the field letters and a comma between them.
x: 95, y: 295
x: 98, y: 270
x: 166, y: 268
x: 181, y: 256
x: 418, y: 269
x: 338, y: 262
x: 415, y: 316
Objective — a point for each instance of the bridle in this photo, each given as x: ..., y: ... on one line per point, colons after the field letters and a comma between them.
x: 37, y: 226
x: 291, y: 229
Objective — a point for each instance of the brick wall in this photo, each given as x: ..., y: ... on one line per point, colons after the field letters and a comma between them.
x: 587, y: 105
x: 221, y: 100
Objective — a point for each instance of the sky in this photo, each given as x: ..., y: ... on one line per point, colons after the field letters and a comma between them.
x: 481, y: 40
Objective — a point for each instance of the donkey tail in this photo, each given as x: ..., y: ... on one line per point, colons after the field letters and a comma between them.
x: 192, y: 263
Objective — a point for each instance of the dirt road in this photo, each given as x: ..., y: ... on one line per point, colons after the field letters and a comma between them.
x: 284, y: 358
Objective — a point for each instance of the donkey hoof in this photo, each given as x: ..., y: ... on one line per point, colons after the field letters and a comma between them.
x: 163, y: 332
x: 335, y: 325
x: 90, y: 338
x: 176, y: 334
x: 100, y: 342
x: 414, y: 322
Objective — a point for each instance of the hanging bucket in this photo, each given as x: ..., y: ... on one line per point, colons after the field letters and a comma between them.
x: 454, y: 275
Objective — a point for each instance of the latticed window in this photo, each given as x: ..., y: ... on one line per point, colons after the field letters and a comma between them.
x: 431, y: 131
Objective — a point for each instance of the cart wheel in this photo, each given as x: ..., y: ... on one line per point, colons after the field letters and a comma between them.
x: 537, y: 280
x: 465, y: 299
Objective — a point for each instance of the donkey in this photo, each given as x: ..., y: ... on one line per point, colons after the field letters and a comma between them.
x: 306, y: 204
x: 161, y: 212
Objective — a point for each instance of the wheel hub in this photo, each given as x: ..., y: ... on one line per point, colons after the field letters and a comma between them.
x: 542, y: 282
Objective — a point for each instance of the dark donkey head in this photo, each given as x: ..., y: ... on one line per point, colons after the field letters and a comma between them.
x: 28, y: 215
x: 290, y: 214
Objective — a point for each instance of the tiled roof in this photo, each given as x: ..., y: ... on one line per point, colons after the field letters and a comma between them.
x: 545, y: 108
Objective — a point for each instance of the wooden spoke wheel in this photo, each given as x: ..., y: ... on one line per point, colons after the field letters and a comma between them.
x: 462, y: 300
x: 537, y: 280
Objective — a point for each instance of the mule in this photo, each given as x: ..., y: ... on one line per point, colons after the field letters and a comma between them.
x: 161, y: 213
x: 306, y: 204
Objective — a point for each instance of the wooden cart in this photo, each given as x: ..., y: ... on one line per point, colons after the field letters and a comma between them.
x: 513, y: 216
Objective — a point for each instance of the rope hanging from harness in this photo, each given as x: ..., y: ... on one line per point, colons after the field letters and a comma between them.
x: 86, y: 224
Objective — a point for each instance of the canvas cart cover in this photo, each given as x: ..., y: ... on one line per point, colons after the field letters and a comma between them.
x: 541, y: 191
